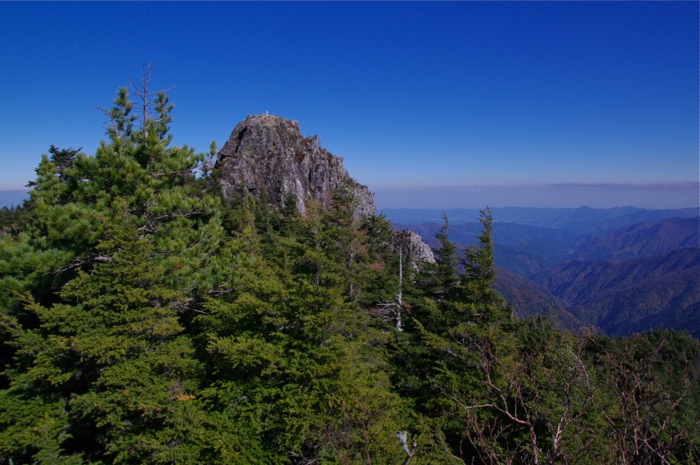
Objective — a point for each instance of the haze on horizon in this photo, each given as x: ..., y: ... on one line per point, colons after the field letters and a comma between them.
x: 432, y: 105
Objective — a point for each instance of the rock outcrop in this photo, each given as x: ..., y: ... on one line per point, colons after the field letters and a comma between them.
x: 267, y: 154
x: 412, y: 247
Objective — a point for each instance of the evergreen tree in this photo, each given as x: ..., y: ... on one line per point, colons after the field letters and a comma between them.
x: 142, y: 320
x: 97, y: 332
x: 442, y: 280
x: 480, y: 275
x: 291, y: 350
x: 451, y: 335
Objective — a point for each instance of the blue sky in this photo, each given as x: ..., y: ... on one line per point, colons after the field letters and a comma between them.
x: 439, y: 105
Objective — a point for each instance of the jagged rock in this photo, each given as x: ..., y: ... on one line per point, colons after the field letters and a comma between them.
x: 413, y: 247
x: 268, y: 154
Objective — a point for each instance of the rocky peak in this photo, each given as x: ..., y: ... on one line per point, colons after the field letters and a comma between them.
x: 267, y: 153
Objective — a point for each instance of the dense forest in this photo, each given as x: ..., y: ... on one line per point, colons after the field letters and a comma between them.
x: 143, y: 319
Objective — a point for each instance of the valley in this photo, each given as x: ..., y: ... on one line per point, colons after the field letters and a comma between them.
x: 620, y: 270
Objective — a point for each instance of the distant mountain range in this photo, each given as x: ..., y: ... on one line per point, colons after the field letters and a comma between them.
x: 622, y: 297
x: 580, y: 218
x: 638, y: 240
x: 621, y: 270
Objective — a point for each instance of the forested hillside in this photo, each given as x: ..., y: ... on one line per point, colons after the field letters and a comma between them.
x: 146, y: 319
x: 633, y: 295
x: 621, y: 270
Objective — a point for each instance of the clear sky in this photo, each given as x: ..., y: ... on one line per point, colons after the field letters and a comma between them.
x: 439, y: 105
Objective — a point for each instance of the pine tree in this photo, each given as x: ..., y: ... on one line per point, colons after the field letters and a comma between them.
x: 101, y: 359
x: 144, y: 321
x: 480, y: 275
x: 449, y: 334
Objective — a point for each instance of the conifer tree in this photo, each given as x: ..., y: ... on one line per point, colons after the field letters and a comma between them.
x: 445, y: 275
x: 452, y: 333
x: 480, y: 275
x: 97, y: 333
x: 142, y: 320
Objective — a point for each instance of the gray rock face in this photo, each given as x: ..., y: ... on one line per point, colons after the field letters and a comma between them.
x: 421, y: 252
x: 412, y: 246
x: 268, y: 154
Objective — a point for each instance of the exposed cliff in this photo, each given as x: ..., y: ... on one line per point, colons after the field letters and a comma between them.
x: 267, y: 154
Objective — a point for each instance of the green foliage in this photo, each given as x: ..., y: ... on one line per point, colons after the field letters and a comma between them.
x: 652, y: 400
x: 96, y: 294
x: 142, y: 320
x: 291, y: 350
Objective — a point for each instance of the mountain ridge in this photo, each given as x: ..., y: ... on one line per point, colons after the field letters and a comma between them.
x: 633, y: 277
x: 631, y: 296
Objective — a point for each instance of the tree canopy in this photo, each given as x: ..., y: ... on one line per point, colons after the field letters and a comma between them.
x: 143, y: 319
